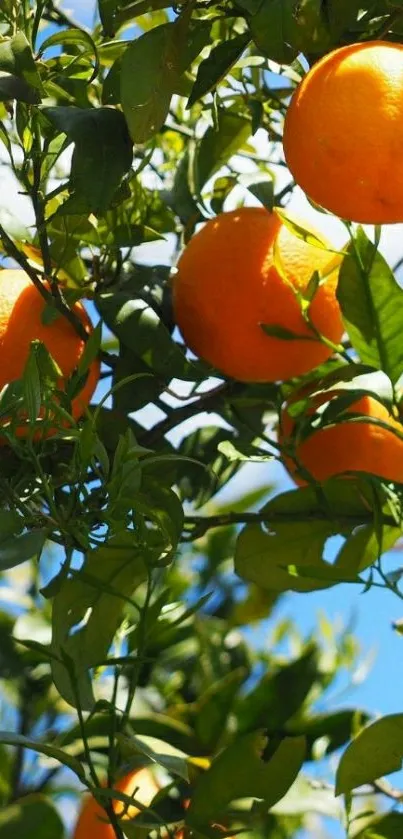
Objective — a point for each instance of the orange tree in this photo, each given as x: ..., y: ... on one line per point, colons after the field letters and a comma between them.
x: 130, y: 576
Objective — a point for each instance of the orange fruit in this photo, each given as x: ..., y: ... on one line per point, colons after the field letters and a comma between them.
x: 21, y: 309
x: 242, y: 270
x: 343, y: 132
x: 93, y: 822
x: 345, y: 446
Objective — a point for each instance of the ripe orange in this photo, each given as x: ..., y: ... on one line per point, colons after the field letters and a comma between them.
x: 228, y: 285
x: 346, y: 446
x: 21, y: 308
x: 343, y: 132
x: 92, y: 821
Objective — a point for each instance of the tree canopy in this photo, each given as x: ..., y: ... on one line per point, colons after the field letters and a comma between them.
x: 137, y: 560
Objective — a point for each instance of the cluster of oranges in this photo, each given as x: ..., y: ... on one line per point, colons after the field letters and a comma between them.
x: 252, y: 298
x: 259, y: 303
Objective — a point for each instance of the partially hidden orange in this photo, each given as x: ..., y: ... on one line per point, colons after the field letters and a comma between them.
x: 241, y: 271
x: 343, y: 138
x: 346, y: 446
x: 93, y: 822
x: 21, y: 309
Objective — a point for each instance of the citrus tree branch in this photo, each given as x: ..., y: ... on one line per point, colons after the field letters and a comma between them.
x: 198, y: 525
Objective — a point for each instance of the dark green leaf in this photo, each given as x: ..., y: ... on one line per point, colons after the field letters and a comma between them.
x: 284, y: 333
x: 119, y: 568
x: 264, y: 192
x: 217, y: 146
x: 376, y: 751
x: 17, y: 549
x: 214, y: 707
x: 162, y: 506
x: 32, y: 386
x: 279, y: 695
x: 12, y: 87
x: 107, y: 12
x: 336, y: 727
x: 371, y: 302
x: 341, y: 14
x: 10, y: 524
x: 241, y: 771
x: 34, y: 815
x: 218, y: 63
x: 146, y: 96
x: 282, y: 28
x: 222, y: 188
x: 102, y: 145
x: 378, y: 826
x: 139, y: 328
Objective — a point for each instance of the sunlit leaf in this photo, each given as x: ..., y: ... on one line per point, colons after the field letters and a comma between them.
x: 371, y: 303
x: 241, y: 771
x: 376, y: 751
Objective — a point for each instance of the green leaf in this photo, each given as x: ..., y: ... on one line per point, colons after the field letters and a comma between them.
x: 268, y: 29
x: 12, y: 87
x: 166, y: 51
x: 102, y: 146
x: 77, y: 38
x: 279, y: 695
x: 32, y: 386
x: 139, y: 328
x: 336, y: 727
x: 284, y: 333
x: 16, y: 58
x: 341, y: 14
x: 281, y: 29
x: 34, y: 815
x: 214, y: 707
x: 172, y: 759
x: 270, y: 560
x: 217, y: 146
x: 378, y: 826
x: 146, y: 96
x: 10, y: 524
x: 17, y: 549
x: 290, y: 555
x: 222, y: 188
x: 263, y: 190
x: 216, y: 66
x: 371, y: 302
x: 85, y: 617
x: 241, y: 771
x: 363, y: 547
x: 163, y: 507
x: 376, y: 751
x: 11, y: 739
x: 107, y: 12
